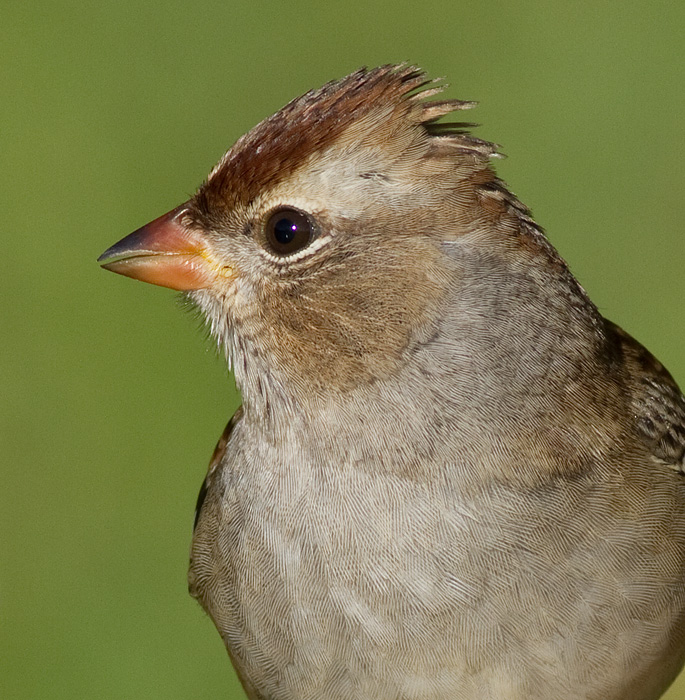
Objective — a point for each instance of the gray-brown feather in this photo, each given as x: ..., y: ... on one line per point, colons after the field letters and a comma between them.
x: 452, y: 479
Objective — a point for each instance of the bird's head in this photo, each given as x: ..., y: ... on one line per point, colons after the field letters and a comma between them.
x: 314, y: 246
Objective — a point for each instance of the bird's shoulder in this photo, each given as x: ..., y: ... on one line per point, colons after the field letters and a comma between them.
x: 657, y: 403
x: 215, y: 462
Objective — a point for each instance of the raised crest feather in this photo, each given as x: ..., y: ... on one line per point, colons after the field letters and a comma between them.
x: 313, y: 122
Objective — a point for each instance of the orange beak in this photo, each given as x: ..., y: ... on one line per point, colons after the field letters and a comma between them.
x: 165, y: 253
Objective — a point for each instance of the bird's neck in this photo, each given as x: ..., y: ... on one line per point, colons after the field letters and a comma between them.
x: 506, y: 338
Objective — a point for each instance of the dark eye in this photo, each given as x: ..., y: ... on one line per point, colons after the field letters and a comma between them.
x: 288, y: 231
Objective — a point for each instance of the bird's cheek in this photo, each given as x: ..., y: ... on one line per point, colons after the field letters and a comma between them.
x: 167, y: 253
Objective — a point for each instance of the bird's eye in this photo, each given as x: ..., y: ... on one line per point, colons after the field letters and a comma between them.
x: 288, y: 231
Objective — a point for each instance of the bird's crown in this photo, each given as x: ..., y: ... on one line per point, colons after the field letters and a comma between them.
x: 374, y: 110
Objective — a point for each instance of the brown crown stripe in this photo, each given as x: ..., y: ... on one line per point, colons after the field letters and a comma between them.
x: 277, y: 146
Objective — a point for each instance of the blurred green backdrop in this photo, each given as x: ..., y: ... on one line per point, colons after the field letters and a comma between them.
x: 113, y: 114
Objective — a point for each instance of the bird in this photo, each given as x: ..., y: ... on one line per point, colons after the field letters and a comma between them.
x: 451, y: 478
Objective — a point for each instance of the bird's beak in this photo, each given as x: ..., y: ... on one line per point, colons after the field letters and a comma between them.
x: 165, y: 252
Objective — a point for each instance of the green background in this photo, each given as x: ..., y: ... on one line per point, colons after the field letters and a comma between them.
x: 112, y: 400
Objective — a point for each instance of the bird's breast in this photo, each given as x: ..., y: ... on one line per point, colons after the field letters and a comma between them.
x: 351, y: 584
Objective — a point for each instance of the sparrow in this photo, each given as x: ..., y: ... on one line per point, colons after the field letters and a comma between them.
x: 450, y: 478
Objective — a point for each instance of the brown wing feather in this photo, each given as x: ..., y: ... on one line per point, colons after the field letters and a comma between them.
x: 215, y: 461
x: 658, y: 403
